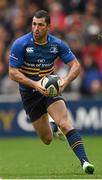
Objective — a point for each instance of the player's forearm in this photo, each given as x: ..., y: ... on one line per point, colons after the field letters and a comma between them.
x: 73, y: 72
x: 19, y: 77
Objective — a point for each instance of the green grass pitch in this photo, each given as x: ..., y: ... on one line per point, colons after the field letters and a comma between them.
x: 28, y: 158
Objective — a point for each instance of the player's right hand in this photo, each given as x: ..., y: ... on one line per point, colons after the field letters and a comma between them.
x: 40, y: 88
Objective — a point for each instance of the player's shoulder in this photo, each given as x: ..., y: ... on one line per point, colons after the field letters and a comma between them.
x: 23, y: 40
x: 56, y: 40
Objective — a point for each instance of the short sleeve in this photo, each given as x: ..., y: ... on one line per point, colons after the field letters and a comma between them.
x: 65, y: 53
x: 16, y: 54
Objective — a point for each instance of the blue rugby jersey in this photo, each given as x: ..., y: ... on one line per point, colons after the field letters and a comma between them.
x: 36, y: 61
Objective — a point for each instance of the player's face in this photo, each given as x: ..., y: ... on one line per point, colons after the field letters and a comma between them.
x: 40, y: 28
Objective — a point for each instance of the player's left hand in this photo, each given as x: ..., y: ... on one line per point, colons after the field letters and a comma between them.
x: 62, y: 85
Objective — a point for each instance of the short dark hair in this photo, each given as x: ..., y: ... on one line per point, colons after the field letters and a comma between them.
x: 43, y: 14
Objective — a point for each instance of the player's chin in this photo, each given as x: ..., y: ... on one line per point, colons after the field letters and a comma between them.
x: 37, y: 36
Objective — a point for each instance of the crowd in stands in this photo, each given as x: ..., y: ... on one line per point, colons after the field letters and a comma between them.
x: 78, y: 22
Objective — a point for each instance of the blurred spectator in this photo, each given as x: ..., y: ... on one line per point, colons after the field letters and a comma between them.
x: 8, y: 86
x: 3, y: 33
x: 91, y: 84
x: 3, y: 11
x: 18, y: 24
x: 71, y: 6
x: 95, y: 51
x: 57, y: 16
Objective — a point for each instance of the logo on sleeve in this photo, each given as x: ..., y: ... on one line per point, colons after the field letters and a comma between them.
x: 13, y: 56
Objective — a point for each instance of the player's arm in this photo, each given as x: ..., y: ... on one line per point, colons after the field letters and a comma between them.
x: 73, y: 65
x: 74, y: 71
x: 19, y: 77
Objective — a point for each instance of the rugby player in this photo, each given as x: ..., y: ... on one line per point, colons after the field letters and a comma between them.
x: 32, y: 57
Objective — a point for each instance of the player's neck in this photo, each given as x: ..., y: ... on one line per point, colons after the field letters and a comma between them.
x: 41, y: 43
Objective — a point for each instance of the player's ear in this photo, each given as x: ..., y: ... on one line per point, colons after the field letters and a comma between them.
x: 49, y: 26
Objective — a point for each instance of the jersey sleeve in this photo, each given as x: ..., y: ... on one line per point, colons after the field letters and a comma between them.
x: 65, y: 53
x: 16, y: 58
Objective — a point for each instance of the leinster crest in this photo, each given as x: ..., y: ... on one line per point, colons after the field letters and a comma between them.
x: 54, y: 49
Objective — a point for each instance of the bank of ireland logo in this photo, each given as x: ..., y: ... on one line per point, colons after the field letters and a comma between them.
x: 54, y: 49
x: 29, y: 50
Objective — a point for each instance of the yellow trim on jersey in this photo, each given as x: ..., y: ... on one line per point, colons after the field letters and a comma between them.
x: 46, y: 70
x: 46, y: 74
x: 28, y: 72
x: 38, y: 71
x: 25, y: 67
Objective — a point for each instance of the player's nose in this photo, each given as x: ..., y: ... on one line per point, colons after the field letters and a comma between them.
x: 37, y: 27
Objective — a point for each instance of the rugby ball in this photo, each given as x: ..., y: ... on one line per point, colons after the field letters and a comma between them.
x: 51, y: 83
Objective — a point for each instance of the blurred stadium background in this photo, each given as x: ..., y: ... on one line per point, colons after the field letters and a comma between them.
x: 79, y: 23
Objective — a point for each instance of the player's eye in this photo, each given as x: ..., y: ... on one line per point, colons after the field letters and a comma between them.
x: 34, y: 24
x: 40, y: 24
